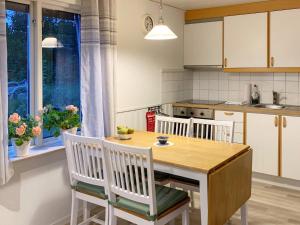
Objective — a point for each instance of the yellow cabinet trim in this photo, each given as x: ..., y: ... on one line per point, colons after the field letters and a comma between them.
x: 240, y: 9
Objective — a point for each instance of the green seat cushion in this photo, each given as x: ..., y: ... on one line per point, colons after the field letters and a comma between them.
x: 166, y: 198
x: 94, y: 190
x: 185, y: 180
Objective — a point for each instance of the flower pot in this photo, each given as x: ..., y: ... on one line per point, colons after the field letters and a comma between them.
x: 22, y: 150
x: 71, y: 131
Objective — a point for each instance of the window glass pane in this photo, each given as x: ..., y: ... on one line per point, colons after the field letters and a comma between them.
x: 61, y: 64
x: 17, y: 26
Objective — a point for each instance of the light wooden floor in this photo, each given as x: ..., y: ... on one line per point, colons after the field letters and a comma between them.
x: 269, y: 205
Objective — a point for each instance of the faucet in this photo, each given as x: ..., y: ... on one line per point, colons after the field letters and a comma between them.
x: 275, y: 98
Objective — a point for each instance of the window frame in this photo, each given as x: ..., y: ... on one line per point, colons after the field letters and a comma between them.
x: 36, y: 66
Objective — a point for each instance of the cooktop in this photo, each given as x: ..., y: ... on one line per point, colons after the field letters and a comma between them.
x: 202, y: 102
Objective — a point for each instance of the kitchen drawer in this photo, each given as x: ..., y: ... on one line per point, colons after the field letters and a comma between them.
x: 229, y: 116
x: 238, y: 138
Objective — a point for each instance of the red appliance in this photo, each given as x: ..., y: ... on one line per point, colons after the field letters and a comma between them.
x: 150, y: 118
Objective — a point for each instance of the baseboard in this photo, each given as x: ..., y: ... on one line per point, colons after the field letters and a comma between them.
x: 276, y: 181
x: 63, y: 221
x: 66, y: 219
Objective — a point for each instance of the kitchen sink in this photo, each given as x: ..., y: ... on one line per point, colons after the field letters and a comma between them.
x: 269, y: 106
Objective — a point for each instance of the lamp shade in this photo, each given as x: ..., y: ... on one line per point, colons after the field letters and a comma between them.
x: 161, y: 32
x: 51, y: 42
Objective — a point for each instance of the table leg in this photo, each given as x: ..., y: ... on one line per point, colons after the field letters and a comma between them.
x: 204, y: 199
x: 244, y: 214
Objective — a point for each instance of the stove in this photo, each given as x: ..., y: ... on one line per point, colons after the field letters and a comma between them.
x: 196, y: 112
x: 202, y: 102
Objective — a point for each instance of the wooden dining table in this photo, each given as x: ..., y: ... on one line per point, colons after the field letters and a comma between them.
x: 224, y: 171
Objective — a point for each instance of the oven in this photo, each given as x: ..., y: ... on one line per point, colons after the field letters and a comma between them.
x: 201, y: 112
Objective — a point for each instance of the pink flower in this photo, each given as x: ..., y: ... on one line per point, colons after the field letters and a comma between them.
x: 36, y: 131
x: 20, y: 130
x: 72, y: 108
x: 37, y: 118
x: 14, y: 118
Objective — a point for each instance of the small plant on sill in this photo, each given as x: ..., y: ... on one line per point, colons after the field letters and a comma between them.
x: 21, y: 131
x: 61, y: 120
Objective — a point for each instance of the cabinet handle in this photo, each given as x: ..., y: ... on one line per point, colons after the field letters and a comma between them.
x: 284, y: 122
x: 228, y: 113
x: 276, y: 121
x: 225, y: 62
x: 272, y: 61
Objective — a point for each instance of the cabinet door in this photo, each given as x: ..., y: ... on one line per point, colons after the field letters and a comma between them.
x: 245, y: 41
x: 291, y: 147
x: 262, y: 136
x: 284, y: 38
x: 203, y: 44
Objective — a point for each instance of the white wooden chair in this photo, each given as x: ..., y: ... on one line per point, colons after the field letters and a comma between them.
x: 204, y: 129
x: 212, y: 130
x: 88, y: 177
x: 133, y: 194
x: 172, y: 125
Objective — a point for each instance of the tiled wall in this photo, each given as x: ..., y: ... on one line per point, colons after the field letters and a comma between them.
x: 177, y: 85
x: 230, y: 86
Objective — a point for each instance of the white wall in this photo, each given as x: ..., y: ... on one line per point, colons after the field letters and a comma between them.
x: 39, y: 192
x: 139, y: 62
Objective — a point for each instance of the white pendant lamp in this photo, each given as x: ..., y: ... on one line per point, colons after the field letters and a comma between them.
x: 51, y: 42
x: 161, y: 31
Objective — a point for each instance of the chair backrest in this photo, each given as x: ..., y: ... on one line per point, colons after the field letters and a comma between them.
x: 130, y: 173
x: 85, y: 159
x: 213, y: 130
x: 172, y: 125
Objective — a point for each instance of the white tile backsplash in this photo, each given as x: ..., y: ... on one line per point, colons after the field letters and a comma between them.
x: 178, y: 85
x: 181, y: 85
x: 230, y: 86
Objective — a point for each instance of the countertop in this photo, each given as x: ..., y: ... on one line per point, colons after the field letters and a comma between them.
x: 287, y: 111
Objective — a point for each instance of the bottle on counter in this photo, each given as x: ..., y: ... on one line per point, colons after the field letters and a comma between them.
x: 255, y: 96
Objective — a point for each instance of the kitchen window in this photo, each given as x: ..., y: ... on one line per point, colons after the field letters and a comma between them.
x: 61, y: 65
x: 39, y: 75
x: 18, y: 57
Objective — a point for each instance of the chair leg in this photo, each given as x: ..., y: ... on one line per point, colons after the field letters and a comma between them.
x: 86, y: 211
x: 244, y: 214
x: 106, y: 216
x: 192, y: 199
x: 74, y: 209
x: 186, y: 217
x: 112, y: 217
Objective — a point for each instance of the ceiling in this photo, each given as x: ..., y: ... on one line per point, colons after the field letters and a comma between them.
x: 197, y: 4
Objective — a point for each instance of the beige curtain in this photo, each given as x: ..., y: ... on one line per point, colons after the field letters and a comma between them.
x: 98, y: 57
x: 6, y: 170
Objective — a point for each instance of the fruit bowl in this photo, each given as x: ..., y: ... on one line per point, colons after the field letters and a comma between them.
x: 124, y: 136
x: 124, y: 133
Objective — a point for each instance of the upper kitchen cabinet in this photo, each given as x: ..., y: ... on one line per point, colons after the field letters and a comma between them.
x: 245, y: 41
x: 203, y: 44
x: 284, y: 38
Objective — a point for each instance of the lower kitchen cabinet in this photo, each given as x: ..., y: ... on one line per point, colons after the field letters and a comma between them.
x: 262, y: 136
x: 291, y: 147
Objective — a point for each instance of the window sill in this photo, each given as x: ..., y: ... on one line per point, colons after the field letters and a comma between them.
x: 37, y: 151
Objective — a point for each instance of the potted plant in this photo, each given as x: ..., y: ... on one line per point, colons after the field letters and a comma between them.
x: 21, y: 131
x: 61, y: 121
